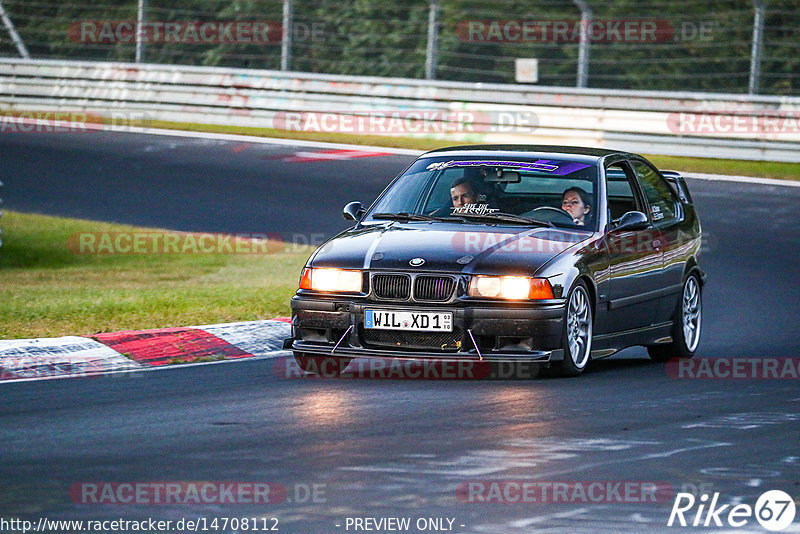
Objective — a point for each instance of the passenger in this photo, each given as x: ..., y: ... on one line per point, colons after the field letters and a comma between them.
x: 578, y: 203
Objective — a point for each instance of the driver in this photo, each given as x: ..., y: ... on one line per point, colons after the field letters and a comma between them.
x: 462, y: 192
x: 577, y: 203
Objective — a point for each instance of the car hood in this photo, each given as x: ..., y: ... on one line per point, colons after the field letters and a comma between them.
x: 447, y: 247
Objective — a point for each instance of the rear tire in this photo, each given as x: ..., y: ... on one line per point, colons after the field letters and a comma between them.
x: 576, y: 337
x: 686, y: 326
x: 324, y: 366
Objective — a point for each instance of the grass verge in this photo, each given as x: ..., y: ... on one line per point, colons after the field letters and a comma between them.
x: 47, y: 290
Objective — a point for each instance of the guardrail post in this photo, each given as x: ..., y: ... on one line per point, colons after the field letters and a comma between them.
x: 140, y: 30
x: 758, y: 40
x: 432, y: 52
x: 286, y: 39
x: 13, y: 33
x: 583, y: 47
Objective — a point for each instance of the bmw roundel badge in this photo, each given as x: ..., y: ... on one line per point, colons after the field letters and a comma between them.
x: 416, y: 262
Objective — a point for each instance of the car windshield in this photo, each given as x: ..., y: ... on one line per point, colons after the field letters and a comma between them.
x: 509, y: 191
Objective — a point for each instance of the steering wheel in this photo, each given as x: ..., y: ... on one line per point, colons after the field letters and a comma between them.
x: 559, y: 213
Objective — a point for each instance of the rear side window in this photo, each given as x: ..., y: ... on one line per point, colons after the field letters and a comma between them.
x: 659, y: 195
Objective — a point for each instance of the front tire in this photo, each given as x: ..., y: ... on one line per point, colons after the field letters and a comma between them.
x: 324, y: 366
x: 576, y: 338
x: 686, y: 326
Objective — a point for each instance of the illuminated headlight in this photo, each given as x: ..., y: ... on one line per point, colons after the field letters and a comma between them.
x: 336, y: 280
x: 510, y: 287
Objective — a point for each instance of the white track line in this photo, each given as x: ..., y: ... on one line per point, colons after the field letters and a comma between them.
x: 342, y: 146
x: 399, y: 151
x: 272, y: 141
x: 68, y: 126
x: 742, y: 179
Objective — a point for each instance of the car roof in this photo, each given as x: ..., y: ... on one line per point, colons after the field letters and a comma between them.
x: 574, y: 153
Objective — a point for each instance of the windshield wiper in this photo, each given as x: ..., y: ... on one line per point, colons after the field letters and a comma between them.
x: 506, y: 217
x: 405, y: 216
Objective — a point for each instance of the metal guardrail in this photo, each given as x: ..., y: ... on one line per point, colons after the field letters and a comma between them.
x: 648, y: 122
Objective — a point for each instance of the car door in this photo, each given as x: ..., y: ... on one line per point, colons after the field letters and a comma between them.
x: 632, y: 268
x: 666, y: 213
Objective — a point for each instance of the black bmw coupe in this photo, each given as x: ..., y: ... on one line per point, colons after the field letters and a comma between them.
x: 546, y: 254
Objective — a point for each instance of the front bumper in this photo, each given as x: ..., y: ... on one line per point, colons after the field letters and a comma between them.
x: 502, y: 331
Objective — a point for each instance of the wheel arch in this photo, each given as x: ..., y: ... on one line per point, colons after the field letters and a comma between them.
x: 692, y: 267
x: 589, y: 283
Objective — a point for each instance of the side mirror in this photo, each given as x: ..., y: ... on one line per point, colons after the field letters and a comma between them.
x: 633, y: 220
x: 353, y: 211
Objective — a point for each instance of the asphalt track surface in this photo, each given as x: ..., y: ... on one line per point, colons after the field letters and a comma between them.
x: 395, y: 448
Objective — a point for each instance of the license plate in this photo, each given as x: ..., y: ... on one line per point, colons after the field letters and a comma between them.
x: 406, y: 320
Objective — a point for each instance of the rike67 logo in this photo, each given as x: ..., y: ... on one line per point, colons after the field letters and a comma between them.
x: 774, y: 510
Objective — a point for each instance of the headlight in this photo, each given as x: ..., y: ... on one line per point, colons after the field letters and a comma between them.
x: 337, y: 280
x: 510, y: 287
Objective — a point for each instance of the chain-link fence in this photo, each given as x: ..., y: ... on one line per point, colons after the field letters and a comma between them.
x: 736, y: 46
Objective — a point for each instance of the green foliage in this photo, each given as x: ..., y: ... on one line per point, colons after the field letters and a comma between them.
x: 708, y: 51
